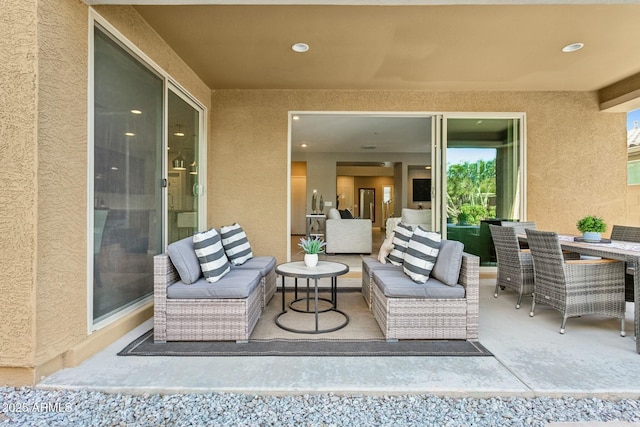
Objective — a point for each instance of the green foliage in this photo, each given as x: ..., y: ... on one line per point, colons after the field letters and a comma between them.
x: 591, y: 223
x: 312, y: 246
x: 469, y: 187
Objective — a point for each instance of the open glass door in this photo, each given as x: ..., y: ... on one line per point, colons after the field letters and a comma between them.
x: 482, y: 172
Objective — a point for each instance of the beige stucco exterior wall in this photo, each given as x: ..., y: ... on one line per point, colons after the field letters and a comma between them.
x: 43, y: 112
x: 576, y: 154
x: 18, y: 131
x: 633, y: 205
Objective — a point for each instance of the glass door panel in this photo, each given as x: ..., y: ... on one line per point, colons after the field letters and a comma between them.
x: 184, y: 124
x: 482, y: 174
x: 128, y: 102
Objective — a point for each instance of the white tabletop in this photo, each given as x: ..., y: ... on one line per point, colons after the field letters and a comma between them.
x: 323, y: 269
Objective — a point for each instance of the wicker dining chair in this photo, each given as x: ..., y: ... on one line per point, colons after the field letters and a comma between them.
x: 575, y: 287
x: 626, y: 233
x: 515, y: 266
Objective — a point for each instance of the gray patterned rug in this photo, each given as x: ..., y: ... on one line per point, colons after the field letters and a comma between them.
x: 144, y: 346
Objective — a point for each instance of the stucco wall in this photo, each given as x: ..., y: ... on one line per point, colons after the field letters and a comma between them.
x: 18, y: 197
x: 576, y: 154
x: 43, y: 112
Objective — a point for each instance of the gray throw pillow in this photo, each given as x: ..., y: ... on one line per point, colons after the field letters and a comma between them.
x: 447, y: 268
x: 184, y: 259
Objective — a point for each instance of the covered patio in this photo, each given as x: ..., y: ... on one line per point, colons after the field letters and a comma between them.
x: 530, y: 359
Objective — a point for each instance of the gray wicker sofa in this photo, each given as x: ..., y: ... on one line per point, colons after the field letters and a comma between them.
x: 406, y: 310
x: 188, y: 308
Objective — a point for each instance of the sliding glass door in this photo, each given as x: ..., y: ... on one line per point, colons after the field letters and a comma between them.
x: 183, y: 165
x: 147, y: 163
x: 127, y: 172
x: 482, y: 170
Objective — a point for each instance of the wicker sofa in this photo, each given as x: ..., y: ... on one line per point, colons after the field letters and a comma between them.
x: 227, y: 310
x: 441, y: 313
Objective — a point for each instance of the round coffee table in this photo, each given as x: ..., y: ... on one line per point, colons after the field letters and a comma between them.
x: 298, y: 270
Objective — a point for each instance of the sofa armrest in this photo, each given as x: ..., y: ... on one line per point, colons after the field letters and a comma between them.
x: 470, y: 279
x: 164, y: 275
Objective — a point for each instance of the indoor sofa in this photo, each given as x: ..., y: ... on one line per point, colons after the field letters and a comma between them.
x: 347, y: 235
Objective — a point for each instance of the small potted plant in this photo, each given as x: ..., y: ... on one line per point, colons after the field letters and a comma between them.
x: 311, y: 248
x: 591, y: 228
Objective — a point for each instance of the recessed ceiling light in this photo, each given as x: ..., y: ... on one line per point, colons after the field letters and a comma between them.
x: 296, y: 117
x: 136, y: 112
x: 303, y: 145
x: 300, y: 47
x: 130, y: 134
x: 178, y: 134
x: 573, y: 47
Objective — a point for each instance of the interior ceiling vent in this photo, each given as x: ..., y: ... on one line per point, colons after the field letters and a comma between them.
x: 368, y: 147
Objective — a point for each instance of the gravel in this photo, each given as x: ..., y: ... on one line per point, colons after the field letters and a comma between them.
x: 34, y: 407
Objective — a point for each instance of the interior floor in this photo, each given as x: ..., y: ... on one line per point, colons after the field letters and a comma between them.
x: 354, y: 261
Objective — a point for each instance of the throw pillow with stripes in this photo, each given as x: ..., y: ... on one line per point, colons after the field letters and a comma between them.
x: 236, y: 245
x: 421, y: 255
x: 401, y: 236
x: 213, y: 261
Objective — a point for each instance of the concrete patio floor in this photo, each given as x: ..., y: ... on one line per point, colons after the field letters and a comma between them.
x: 530, y: 359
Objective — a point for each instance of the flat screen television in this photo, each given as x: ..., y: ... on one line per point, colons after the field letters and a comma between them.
x: 422, y: 190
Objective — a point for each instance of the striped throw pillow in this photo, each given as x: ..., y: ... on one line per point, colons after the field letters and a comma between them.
x: 421, y: 255
x: 213, y: 261
x: 401, y: 236
x: 236, y: 245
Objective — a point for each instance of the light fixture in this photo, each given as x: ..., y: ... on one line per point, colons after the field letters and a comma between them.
x: 300, y: 47
x: 179, y: 131
x: 428, y: 168
x: 130, y: 134
x: 296, y: 117
x: 178, y: 162
x: 572, y: 47
x: 134, y: 111
x: 193, y: 169
x: 303, y: 145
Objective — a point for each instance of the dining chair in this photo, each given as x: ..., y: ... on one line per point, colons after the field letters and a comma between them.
x: 515, y: 266
x: 575, y: 287
x: 627, y: 233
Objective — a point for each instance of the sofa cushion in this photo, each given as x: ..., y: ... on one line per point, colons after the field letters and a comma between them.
x: 213, y: 261
x: 396, y: 284
x: 263, y: 263
x: 370, y: 264
x: 421, y: 255
x: 235, y: 243
x: 401, y: 236
x: 447, y: 268
x: 346, y: 214
x: 417, y: 217
x: 238, y: 283
x: 334, y: 214
x: 184, y: 258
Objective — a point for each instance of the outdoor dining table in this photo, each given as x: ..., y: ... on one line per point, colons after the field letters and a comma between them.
x: 611, y: 249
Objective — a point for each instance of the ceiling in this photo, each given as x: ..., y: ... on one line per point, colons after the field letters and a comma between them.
x: 514, y: 45
x: 403, y: 47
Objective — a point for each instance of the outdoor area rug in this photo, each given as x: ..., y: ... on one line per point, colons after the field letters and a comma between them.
x: 144, y: 346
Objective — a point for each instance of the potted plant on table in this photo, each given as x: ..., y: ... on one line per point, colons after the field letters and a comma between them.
x: 591, y: 228
x: 311, y: 248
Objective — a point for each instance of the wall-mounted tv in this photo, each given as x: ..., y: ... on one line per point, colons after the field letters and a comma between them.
x: 422, y: 190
